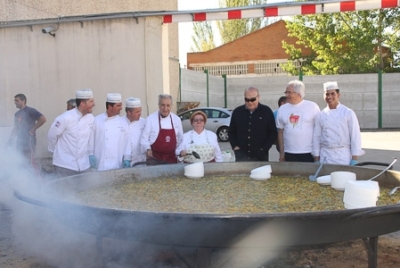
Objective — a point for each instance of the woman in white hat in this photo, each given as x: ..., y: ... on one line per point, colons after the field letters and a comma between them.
x: 199, y: 140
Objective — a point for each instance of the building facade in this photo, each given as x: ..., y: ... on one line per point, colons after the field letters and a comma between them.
x: 258, y: 53
x: 89, y: 46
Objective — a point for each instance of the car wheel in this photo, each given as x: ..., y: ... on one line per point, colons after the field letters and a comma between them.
x: 222, y: 134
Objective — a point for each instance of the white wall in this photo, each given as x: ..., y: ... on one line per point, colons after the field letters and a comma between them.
x: 119, y: 55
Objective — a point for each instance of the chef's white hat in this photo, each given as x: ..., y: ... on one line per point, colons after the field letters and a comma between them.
x: 85, y: 93
x: 114, y: 98
x: 331, y: 85
x: 132, y: 103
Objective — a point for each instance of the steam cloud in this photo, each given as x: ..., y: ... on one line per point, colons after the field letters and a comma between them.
x: 34, y: 229
x: 37, y: 231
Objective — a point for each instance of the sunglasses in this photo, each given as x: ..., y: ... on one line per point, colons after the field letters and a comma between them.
x: 250, y: 100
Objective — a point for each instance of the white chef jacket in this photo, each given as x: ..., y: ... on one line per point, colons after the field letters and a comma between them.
x: 133, y: 150
x: 68, y: 139
x: 152, y: 129
x: 191, y: 139
x: 297, y: 122
x: 337, y: 135
x: 110, y: 141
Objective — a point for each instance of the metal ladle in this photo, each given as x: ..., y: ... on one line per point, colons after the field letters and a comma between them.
x: 394, y: 190
x: 391, y: 164
x: 314, y: 177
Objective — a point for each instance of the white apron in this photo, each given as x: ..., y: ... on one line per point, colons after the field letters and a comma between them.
x: 206, y: 152
x: 335, y: 156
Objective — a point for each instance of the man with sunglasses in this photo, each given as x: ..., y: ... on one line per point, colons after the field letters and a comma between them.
x: 252, y: 130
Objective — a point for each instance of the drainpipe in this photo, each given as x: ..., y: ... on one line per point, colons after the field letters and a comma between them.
x: 180, y: 83
x: 208, y: 84
x: 225, y: 91
x: 380, y: 98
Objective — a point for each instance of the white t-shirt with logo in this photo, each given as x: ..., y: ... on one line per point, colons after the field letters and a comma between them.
x: 297, y: 122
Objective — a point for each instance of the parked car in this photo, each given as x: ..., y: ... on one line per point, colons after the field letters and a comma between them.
x: 218, y: 120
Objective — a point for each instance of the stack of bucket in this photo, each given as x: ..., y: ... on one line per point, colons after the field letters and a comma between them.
x: 361, y: 194
x: 340, y: 178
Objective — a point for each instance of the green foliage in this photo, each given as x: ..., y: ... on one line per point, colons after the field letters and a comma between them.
x: 233, y: 29
x: 203, y: 37
x: 343, y: 43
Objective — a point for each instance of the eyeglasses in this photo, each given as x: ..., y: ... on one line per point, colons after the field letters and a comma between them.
x: 198, y: 120
x: 250, y: 100
x: 289, y: 92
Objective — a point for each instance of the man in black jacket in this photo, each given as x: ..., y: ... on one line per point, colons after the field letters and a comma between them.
x: 252, y: 130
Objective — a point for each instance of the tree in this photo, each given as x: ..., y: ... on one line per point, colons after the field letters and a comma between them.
x: 234, y: 29
x: 229, y: 30
x: 393, y: 39
x: 342, y: 43
x: 203, y: 37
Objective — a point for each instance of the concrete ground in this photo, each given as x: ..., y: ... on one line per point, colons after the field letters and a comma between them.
x: 379, y: 146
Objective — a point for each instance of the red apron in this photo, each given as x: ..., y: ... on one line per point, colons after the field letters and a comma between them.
x: 165, y: 145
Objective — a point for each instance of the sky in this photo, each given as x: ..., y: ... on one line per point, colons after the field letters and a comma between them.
x: 186, y: 28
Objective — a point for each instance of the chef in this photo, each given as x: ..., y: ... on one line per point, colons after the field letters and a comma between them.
x: 337, y: 137
x: 110, y: 135
x: 69, y: 135
x: 135, y: 123
x: 163, y: 133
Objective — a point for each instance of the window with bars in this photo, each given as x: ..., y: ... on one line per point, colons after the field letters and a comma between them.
x: 270, y: 68
x: 236, y: 69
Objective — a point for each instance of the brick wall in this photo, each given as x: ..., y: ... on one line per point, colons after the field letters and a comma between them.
x: 264, y: 44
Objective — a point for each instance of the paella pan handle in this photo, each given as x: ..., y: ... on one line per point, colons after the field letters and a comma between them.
x: 150, y: 162
x: 139, y: 163
x: 374, y: 212
x: 30, y: 200
x: 373, y: 164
